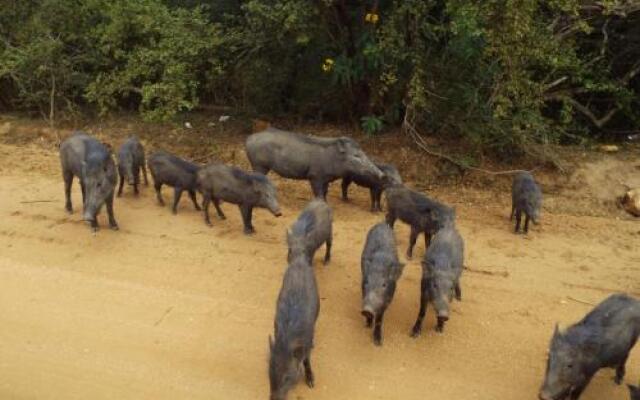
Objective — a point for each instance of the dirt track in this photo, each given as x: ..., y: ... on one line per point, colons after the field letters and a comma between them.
x: 168, y: 308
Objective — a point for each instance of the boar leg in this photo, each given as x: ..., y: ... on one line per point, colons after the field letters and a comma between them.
x: 526, y: 223
x: 177, y: 193
x: 575, y: 394
x: 308, y: 373
x: 136, y: 180
x: 518, y: 218
x: 83, y: 189
x: 369, y: 319
x: 158, y: 187
x: 376, y: 195
x: 192, y: 194
x: 372, y: 195
x: 317, y: 188
x: 412, y: 241
x: 458, y: 291
x: 144, y: 171
x: 216, y: 203
x: 620, y: 372
x: 327, y: 254
x: 112, y: 220
x: 345, y: 188
x: 246, y: 212
x: 68, y: 180
x: 206, y: 200
x: 121, y: 185
x: 513, y: 211
x: 391, y: 219
x: 377, y: 329
x: 417, y: 327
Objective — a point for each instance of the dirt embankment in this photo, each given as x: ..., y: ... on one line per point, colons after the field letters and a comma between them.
x: 168, y: 308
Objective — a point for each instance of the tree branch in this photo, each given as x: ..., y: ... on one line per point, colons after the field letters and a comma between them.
x: 409, y: 128
x: 598, y: 122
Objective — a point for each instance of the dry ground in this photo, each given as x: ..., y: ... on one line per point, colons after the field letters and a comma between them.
x: 168, y: 308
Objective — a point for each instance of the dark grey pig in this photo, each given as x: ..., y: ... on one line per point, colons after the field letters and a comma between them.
x: 168, y: 169
x: 526, y: 198
x: 296, y: 314
x: 312, y: 229
x: 91, y: 161
x: 441, y: 269
x: 130, y: 161
x: 219, y: 182
x: 602, y: 339
x: 376, y: 186
x: 380, y: 272
x: 318, y: 160
x: 634, y: 391
x: 423, y: 214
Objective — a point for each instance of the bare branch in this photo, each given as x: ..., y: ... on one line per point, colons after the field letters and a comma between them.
x: 556, y: 83
x: 409, y: 128
x: 598, y: 122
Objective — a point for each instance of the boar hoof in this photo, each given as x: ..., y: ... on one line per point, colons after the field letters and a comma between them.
x: 115, y: 227
x: 416, y: 331
x: 249, y: 231
x: 377, y: 340
x: 310, y: 380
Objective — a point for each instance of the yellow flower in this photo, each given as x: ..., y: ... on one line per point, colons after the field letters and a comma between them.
x: 372, y: 17
x: 327, y: 65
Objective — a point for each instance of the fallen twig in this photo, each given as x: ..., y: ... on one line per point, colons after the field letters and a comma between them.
x: 37, y: 201
x: 503, y: 274
x: 166, y: 312
x: 580, y: 301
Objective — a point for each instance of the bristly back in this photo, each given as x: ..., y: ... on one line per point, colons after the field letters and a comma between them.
x: 248, y: 177
x: 182, y: 163
x: 305, y: 224
x: 318, y: 140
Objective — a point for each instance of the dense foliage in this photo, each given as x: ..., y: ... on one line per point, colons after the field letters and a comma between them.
x: 500, y: 73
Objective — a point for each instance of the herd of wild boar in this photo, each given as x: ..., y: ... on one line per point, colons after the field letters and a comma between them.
x: 603, y: 338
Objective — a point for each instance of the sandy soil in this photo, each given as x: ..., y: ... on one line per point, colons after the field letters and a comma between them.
x: 168, y: 308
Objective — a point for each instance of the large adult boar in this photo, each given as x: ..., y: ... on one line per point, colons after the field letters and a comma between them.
x: 318, y: 160
x: 602, y: 339
x: 381, y: 269
x: 130, y: 161
x: 526, y: 198
x: 219, y: 182
x: 312, y: 229
x: 423, y: 214
x: 296, y: 314
x: 441, y: 269
x: 376, y: 186
x: 89, y: 160
x: 168, y: 169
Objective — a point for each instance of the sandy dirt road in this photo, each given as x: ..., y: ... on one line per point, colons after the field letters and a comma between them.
x: 168, y: 308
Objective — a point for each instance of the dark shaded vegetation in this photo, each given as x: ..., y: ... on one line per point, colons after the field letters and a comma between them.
x: 504, y: 76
